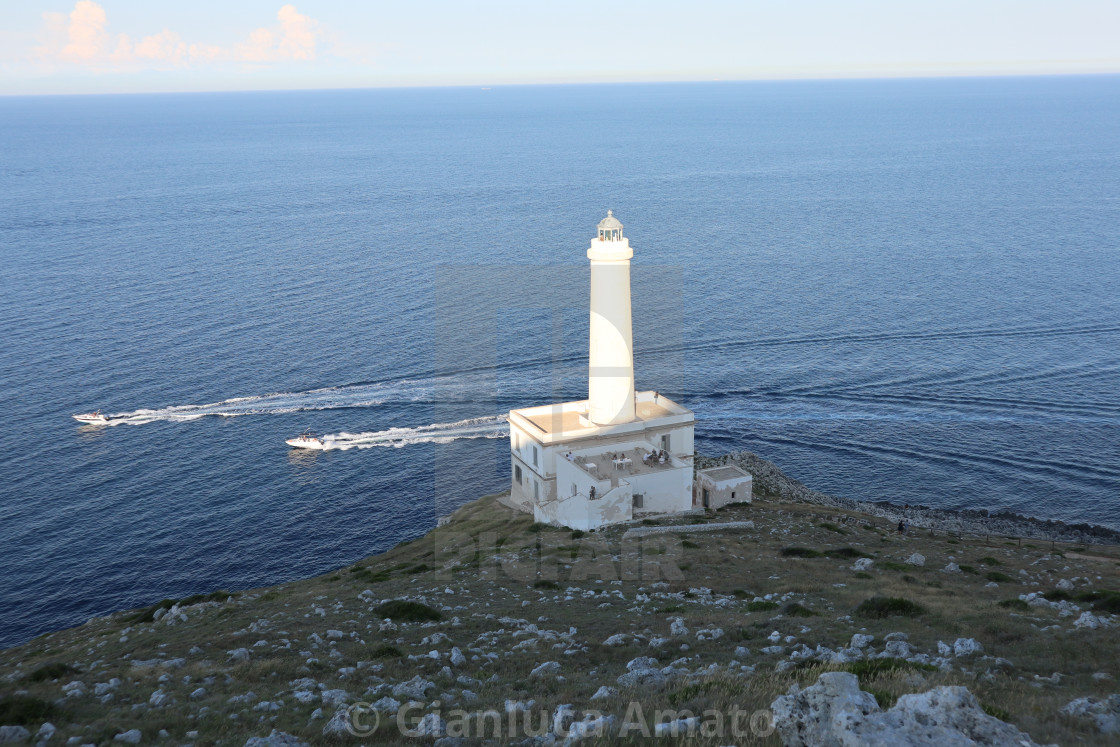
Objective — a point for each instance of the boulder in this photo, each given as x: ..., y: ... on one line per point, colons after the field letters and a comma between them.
x: 677, y: 628
x: 966, y: 647
x: 605, y: 692
x: 457, y: 659
x: 414, y: 689
x: 333, y: 698
x: 13, y: 734
x: 276, y: 739
x: 1065, y: 585
x: 861, y: 640
x: 548, y: 669
x: 1087, y: 621
x: 339, y: 725
x: 132, y: 736
x: 836, y: 713
x: 863, y: 564
x: 618, y: 639
x: 917, y: 559
x: 1104, y: 711
x: 952, y: 568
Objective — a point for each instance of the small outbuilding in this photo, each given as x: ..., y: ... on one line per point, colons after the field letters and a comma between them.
x: 718, y: 486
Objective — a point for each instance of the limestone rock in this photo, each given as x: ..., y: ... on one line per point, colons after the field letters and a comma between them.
x: 414, y: 689
x: 863, y: 564
x: 605, y: 692
x: 861, y: 640
x: 548, y: 669
x: 13, y: 734
x: 339, y: 724
x: 457, y: 659
x: 239, y: 654
x: 276, y: 739
x: 333, y: 698
x: 952, y: 568
x: 1088, y: 621
x: 132, y: 736
x: 917, y: 559
x: 804, y: 718
x: 836, y: 713
x: 966, y: 647
x: 387, y: 705
x: 1065, y: 585
x: 1104, y: 711
x: 618, y: 639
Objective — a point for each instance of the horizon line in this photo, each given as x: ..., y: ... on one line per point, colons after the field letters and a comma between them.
x: 488, y: 86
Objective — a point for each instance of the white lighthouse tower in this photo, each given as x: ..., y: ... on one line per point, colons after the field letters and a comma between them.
x: 619, y: 453
x: 610, y: 386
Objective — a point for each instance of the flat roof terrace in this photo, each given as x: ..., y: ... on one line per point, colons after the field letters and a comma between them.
x: 567, y: 420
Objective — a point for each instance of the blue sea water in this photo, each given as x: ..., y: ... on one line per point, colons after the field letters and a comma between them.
x: 896, y: 290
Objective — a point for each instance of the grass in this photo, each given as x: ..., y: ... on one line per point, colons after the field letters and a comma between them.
x: 1015, y: 604
x: 869, y: 668
x: 761, y: 606
x: 998, y: 577
x: 832, y: 527
x: 880, y: 607
x: 989, y: 560
x: 689, y: 545
x: 892, y: 565
x: 400, y: 610
x: 967, y: 568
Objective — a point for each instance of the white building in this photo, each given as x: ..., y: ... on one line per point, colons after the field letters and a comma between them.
x: 586, y: 464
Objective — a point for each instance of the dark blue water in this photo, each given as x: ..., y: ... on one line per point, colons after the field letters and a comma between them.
x: 903, y: 290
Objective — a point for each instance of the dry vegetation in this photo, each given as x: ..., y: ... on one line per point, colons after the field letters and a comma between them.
x: 493, y: 575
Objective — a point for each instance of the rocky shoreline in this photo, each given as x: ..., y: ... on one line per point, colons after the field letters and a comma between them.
x: 771, y: 481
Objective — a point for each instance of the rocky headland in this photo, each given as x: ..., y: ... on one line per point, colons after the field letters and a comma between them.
x: 798, y: 619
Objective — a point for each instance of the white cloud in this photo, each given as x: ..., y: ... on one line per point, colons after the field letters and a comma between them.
x: 81, y: 38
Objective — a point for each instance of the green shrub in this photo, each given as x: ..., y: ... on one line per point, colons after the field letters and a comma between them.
x: 885, y: 699
x: 832, y: 527
x: 365, y: 574
x: 1015, y: 604
x: 1057, y: 595
x: 689, y: 544
x: 995, y: 711
x: 989, y: 560
x: 671, y: 608
x: 22, y: 710
x: 762, y: 605
x: 794, y: 609
x: 386, y: 651
x: 149, y: 614
x: 862, y: 574
x: 998, y: 577
x: 578, y: 533
x: 740, y: 593
x: 51, y: 671
x: 544, y: 583
x: 967, y: 568
x: 891, y: 565
x: 400, y: 610
x: 845, y: 553
x: 800, y: 552
x: 880, y: 607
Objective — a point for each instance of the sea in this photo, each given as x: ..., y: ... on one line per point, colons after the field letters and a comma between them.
x: 896, y: 290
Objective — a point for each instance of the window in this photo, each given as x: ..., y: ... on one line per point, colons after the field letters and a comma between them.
x: 574, y: 489
x: 536, y: 490
x: 706, y: 499
x: 732, y: 495
x: 639, y: 500
x: 534, y: 456
x: 517, y: 473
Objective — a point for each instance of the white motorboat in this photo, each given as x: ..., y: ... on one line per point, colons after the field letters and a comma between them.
x: 92, y: 418
x: 306, y: 441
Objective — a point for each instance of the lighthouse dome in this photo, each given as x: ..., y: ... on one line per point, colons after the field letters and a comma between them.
x: 610, y: 229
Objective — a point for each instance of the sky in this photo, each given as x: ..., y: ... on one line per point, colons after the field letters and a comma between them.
x: 134, y: 46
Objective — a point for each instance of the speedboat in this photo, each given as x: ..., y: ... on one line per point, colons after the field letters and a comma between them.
x: 306, y: 441
x: 92, y: 418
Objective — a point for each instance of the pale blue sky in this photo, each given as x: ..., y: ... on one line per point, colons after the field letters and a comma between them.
x: 97, y: 46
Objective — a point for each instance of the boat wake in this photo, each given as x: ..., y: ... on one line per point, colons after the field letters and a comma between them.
x: 436, y: 389
x: 494, y: 426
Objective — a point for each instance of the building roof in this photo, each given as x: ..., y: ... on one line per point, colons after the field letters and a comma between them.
x: 567, y: 420
x: 726, y: 473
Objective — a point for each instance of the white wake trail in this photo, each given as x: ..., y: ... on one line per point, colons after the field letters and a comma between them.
x: 329, y: 398
x: 493, y: 426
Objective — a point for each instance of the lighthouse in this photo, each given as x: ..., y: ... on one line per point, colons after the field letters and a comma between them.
x: 620, y: 453
x: 610, y: 385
